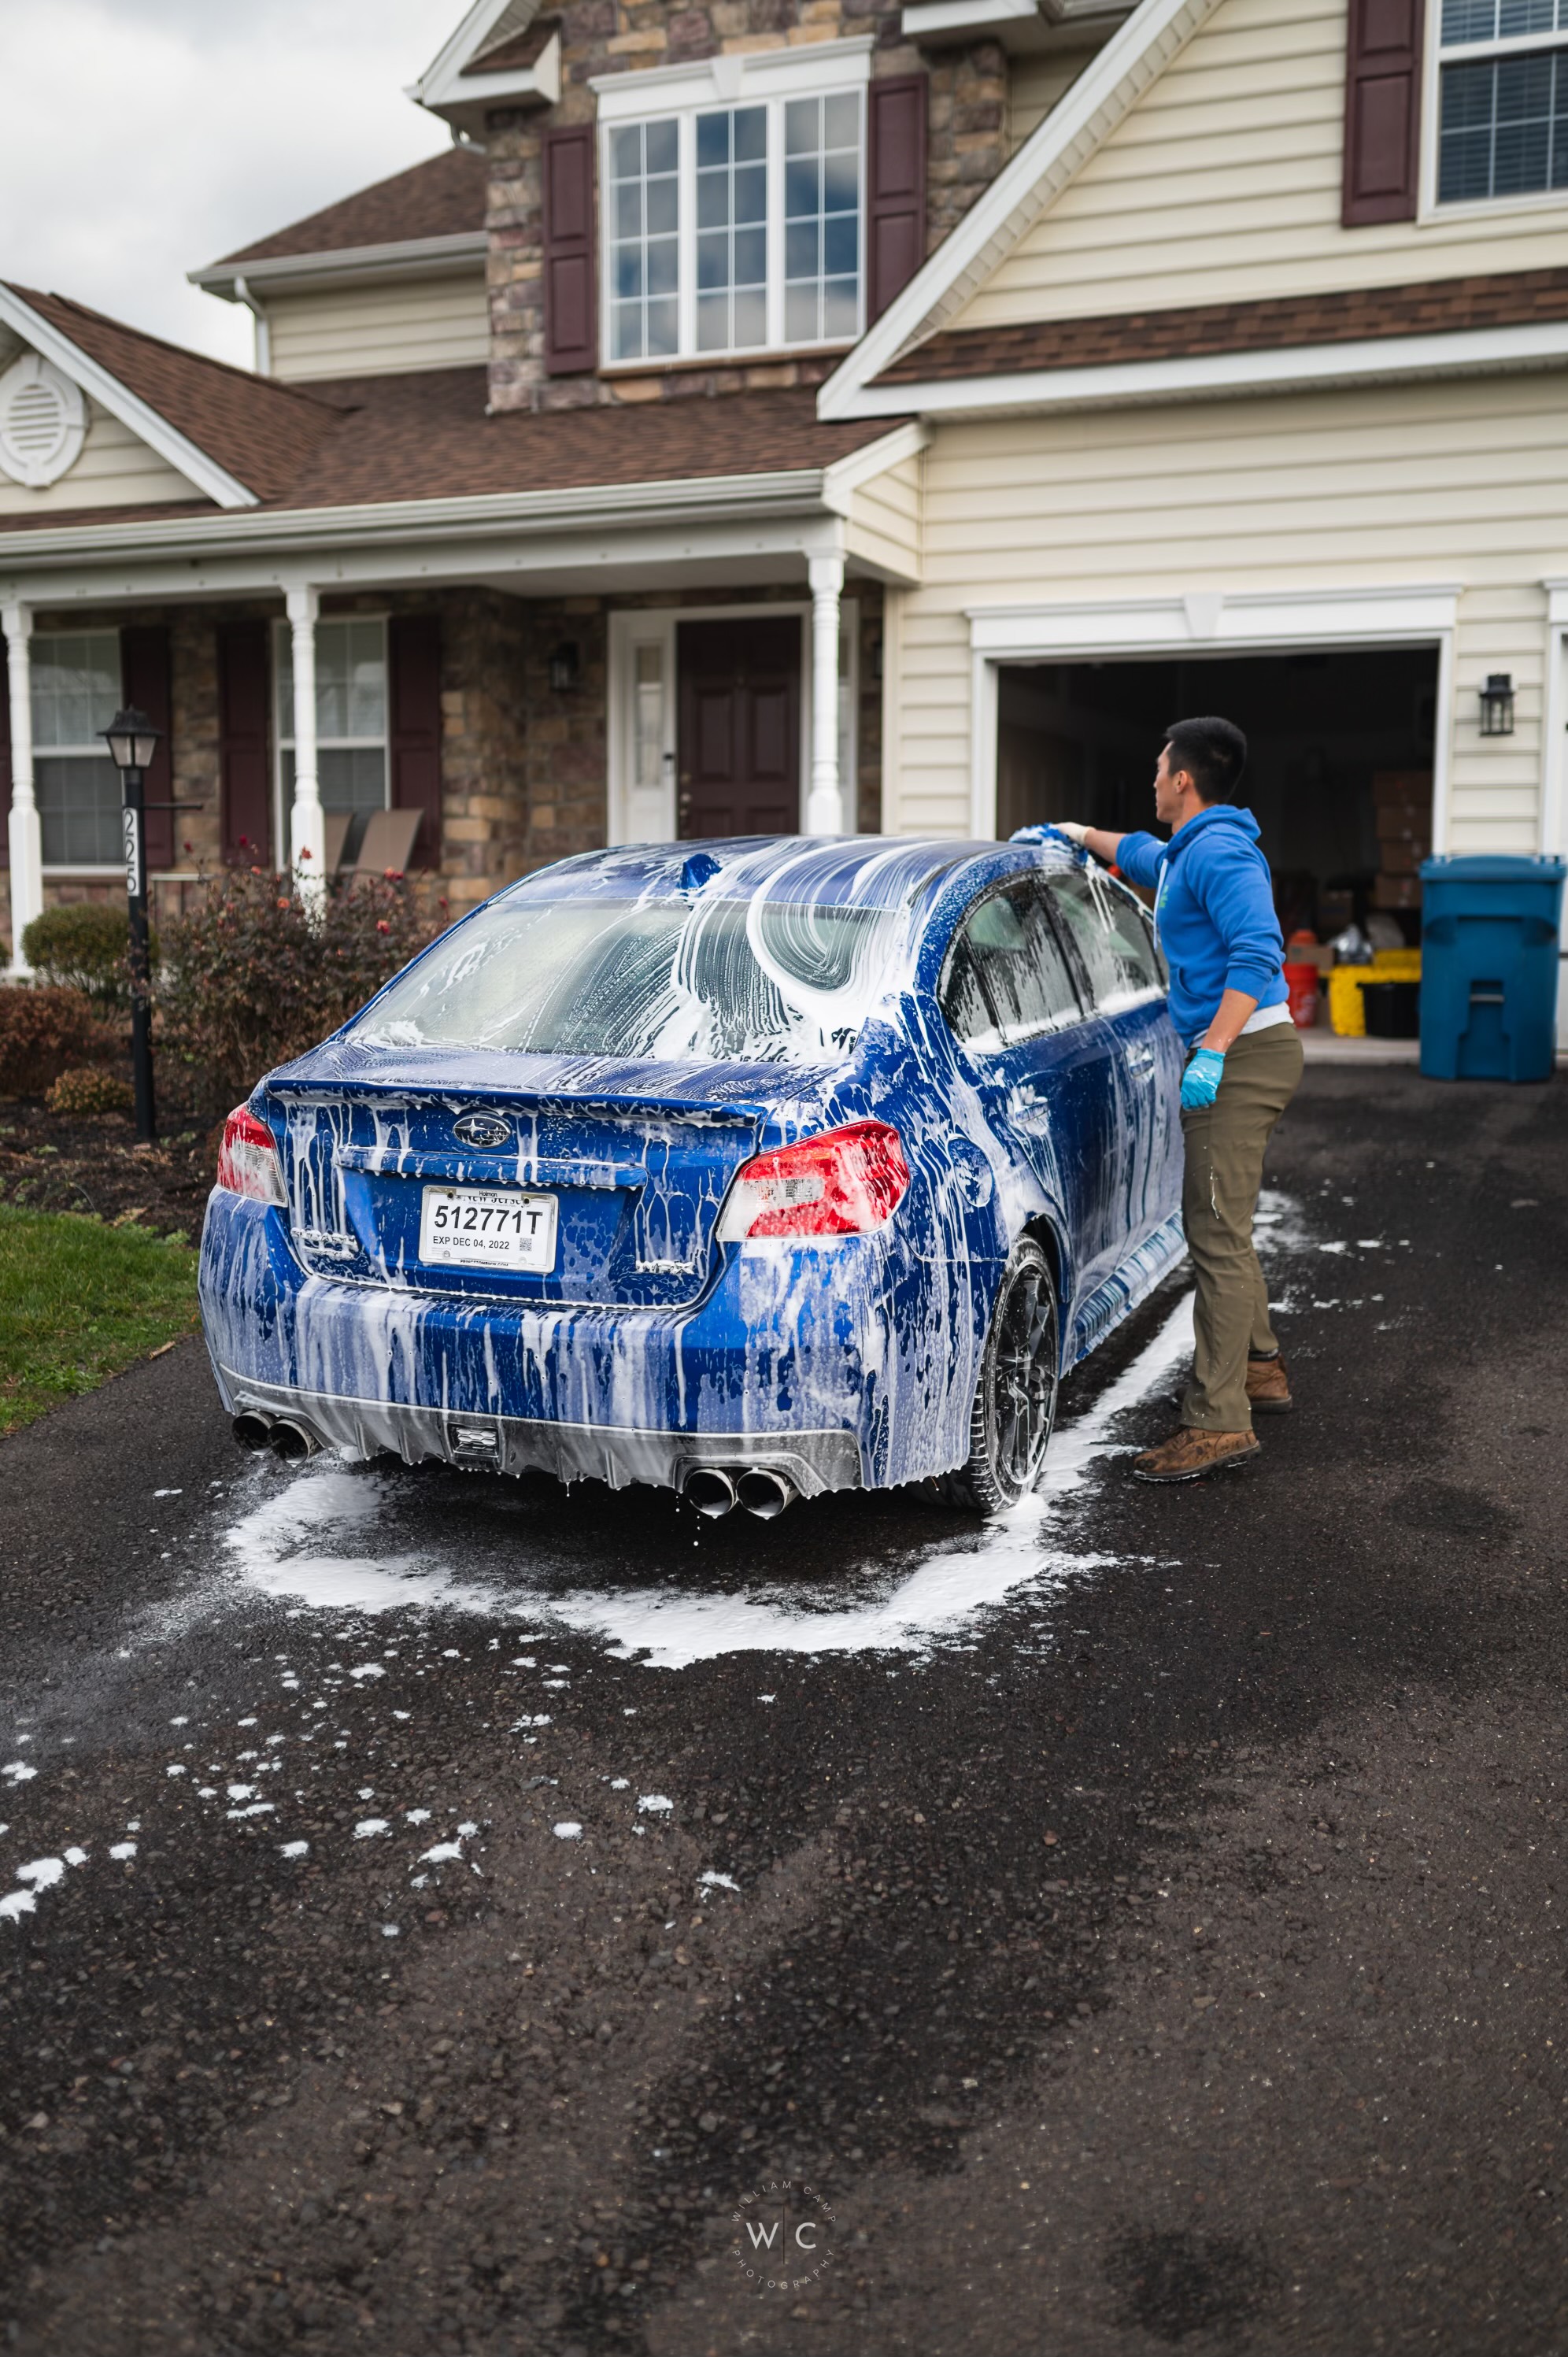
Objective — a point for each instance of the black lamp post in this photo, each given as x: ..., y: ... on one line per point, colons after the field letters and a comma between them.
x: 133, y: 742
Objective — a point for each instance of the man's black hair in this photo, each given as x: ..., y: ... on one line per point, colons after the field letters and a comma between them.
x: 1213, y: 752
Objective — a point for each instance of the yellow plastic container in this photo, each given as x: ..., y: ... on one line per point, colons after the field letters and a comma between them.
x: 1347, y: 1015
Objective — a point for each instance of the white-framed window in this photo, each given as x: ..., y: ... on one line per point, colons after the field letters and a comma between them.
x: 350, y: 714
x: 1502, y: 100
x: 734, y: 205
x: 75, y: 693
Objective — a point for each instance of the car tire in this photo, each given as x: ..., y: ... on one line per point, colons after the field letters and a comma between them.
x: 1015, y: 1398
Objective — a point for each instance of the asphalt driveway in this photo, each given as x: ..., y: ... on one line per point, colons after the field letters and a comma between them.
x: 443, y: 1917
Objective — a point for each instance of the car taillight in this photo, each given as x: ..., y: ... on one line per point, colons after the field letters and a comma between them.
x: 248, y: 1158
x: 843, y: 1184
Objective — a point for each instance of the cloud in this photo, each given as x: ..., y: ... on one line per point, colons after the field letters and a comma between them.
x: 142, y: 138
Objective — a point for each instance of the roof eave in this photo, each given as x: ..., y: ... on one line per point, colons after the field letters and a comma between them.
x: 452, y: 254
x: 1211, y: 376
x: 803, y: 491
x: 464, y: 100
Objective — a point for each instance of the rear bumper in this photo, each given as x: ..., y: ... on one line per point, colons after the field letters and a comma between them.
x: 814, y: 1461
x: 784, y: 1365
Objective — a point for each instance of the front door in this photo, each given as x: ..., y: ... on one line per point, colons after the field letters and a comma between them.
x: 738, y: 752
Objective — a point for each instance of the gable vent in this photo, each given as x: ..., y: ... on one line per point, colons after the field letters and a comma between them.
x: 43, y: 419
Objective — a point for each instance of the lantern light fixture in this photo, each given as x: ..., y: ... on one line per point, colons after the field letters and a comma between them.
x: 1497, y: 705
x: 133, y: 740
x: 566, y: 667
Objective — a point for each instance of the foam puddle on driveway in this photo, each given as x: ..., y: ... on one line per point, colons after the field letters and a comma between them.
x: 319, y: 1543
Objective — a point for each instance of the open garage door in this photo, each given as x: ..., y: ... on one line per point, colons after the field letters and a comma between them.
x: 1339, y: 776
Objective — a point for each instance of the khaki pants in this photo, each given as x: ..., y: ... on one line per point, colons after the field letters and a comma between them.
x: 1225, y: 1145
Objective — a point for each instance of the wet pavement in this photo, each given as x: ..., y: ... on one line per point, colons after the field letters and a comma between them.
x: 438, y: 1915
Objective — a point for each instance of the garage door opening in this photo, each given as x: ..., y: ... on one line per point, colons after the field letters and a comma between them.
x: 1338, y: 772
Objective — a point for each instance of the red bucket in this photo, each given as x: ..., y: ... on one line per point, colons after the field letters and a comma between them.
x: 1302, y: 983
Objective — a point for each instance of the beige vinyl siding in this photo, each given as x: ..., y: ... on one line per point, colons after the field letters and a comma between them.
x: 883, y: 528
x: 115, y: 469
x: 380, y: 330
x: 1223, y: 185
x: 1395, y: 486
x: 1034, y: 84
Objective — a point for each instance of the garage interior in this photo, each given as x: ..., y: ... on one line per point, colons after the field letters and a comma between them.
x: 1338, y: 773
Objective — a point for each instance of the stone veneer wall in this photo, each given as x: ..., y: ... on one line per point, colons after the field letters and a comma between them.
x: 967, y: 148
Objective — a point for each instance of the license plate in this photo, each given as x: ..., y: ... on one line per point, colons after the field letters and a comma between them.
x: 487, y: 1227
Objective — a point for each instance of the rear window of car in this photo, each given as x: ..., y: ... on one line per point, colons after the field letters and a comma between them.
x: 665, y: 979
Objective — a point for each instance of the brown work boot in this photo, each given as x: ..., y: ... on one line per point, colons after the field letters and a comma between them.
x: 1191, y: 1453
x: 1268, y: 1386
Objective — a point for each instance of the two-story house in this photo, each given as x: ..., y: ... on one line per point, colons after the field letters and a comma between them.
x: 836, y: 413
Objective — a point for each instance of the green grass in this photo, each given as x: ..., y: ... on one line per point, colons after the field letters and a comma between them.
x: 79, y: 1302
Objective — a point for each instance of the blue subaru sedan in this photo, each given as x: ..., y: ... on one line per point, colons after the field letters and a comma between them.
x: 753, y: 1168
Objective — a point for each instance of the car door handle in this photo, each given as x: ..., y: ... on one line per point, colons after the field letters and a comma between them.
x: 1140, y: 1060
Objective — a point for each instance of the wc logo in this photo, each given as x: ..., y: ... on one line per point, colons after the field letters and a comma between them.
x: 784, y: 2234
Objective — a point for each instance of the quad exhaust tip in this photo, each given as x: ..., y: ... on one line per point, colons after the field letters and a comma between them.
x: 711, y: 1492
x: 291, y: 1441
x: 764, y: 1494
x: 760, y: 1490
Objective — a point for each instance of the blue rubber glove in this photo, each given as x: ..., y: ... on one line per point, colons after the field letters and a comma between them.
x: 1200, y: 1082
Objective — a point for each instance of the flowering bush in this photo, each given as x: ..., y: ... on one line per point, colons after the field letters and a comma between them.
x: 44, y: 1031
x: 252, y: 977
x: 88, y: 1089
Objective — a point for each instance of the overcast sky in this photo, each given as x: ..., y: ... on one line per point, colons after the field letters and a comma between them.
x: 142, y: 138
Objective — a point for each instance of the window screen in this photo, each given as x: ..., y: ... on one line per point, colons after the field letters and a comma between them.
x: 1111, y: 938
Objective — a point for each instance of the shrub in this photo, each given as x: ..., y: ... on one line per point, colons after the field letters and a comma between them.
x: 249, y: 979
x: 44, y: 1031
x: 84, y: 946
x: 88, y: 1089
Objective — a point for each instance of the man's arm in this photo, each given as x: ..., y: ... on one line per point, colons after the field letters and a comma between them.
x: 1235, y: 1011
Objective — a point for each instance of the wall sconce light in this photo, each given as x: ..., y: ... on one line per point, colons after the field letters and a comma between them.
x: 566, y: 666
x: 1497, y: 705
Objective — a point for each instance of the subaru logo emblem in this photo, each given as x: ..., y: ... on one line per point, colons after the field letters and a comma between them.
x: 482, y: 1129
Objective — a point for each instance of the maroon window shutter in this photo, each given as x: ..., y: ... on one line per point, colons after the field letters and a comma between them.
x: 1383, y: 110
x: 895, y: 188
x: 413, y: 666
x: 571, y: 342
x: 243, y: 763
x: 5, y: 762
x: 145, y: 684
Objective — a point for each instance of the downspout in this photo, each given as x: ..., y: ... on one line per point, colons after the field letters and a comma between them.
x: 263, y: 333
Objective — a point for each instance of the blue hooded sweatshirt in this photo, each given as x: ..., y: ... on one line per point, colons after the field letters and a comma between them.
x: 1214, y: 912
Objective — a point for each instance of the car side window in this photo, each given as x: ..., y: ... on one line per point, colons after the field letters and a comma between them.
x: 1007, y: 979
x: 1108, y: 929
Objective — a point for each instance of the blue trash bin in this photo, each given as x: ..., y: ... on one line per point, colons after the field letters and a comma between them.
x: 1489, y: 968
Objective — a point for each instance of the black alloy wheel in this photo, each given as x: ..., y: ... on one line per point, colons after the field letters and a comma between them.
x: 1015, y: 1398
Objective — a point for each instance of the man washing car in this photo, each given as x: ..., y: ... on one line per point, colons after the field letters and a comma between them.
x: 1215, y: 915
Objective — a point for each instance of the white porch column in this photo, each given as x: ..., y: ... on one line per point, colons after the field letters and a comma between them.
x: 307, y: 833
x: 24, y: 837
x: 824, y: 805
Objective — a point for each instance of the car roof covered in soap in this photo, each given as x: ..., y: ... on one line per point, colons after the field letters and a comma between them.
x: 868, y: 871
